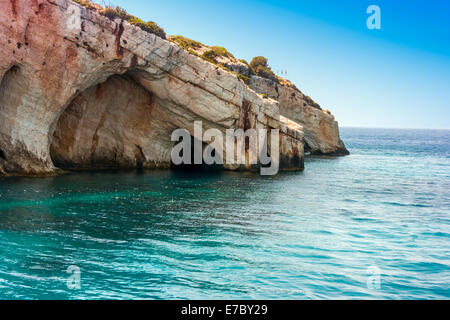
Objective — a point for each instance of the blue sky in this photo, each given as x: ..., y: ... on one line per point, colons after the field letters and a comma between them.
x: 396, y: 77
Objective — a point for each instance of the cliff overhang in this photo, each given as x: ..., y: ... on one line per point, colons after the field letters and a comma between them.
x: 81, y: 90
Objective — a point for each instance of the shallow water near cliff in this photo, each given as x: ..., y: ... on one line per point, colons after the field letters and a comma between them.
x: 322, y: 233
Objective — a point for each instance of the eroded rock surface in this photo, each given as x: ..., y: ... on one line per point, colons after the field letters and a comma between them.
x: 321, y: 130
x: 80, y: 90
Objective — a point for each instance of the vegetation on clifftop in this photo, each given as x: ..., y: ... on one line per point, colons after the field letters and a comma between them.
x: 210, y: 54
x: 186, y: 43
x: 258, y: 66
x: 216, y: 52
x: 87, y: 3
x: 311, y: 102
x: 149, y: 26
x: 244, y: 62
x: 118, y: 12
x: 242, y: 77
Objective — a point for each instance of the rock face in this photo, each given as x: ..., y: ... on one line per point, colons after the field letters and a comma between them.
x: 80, y: 90
x: 321, y: 131
x: 320, y: 128
x: 113, y: 124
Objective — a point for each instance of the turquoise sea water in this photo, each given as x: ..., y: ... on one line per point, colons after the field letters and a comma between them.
x: 323, y: 233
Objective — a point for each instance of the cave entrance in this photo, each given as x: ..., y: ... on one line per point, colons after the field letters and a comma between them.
x: 114, y: 124
x: 307, y: 148
x: 203, y: 167
x: 119, y: 124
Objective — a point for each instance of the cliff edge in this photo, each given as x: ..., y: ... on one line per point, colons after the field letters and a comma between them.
x: 81, y: 89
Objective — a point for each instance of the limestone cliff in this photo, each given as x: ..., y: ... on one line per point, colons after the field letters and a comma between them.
x: 321, y: 131
x: 79, y: 89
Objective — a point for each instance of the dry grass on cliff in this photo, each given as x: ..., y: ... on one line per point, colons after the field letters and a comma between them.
x: 311, y: 102
x: 149, y: 26
x: 88, y: 4
x: 210, y: 55
x: 216, y: 52
x: 258, y: 66
x: 186, y: 43
x: 118, y: 12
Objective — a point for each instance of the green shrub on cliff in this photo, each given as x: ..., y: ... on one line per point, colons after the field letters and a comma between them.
x: 216, y: 52
x: 86, y: 3
x: 186, y: 43
x: 241, y: 77
x: 150, y: 26
x: 210, y: 56
x: 116, y: 12
x: 311, y: 102
x: 259, y: 62
x: 260, y: 67
x: 222, y: 52
x: 244, y: 62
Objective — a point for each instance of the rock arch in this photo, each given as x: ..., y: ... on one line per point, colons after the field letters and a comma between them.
x: 114, y: 124
x: 157, y: 87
